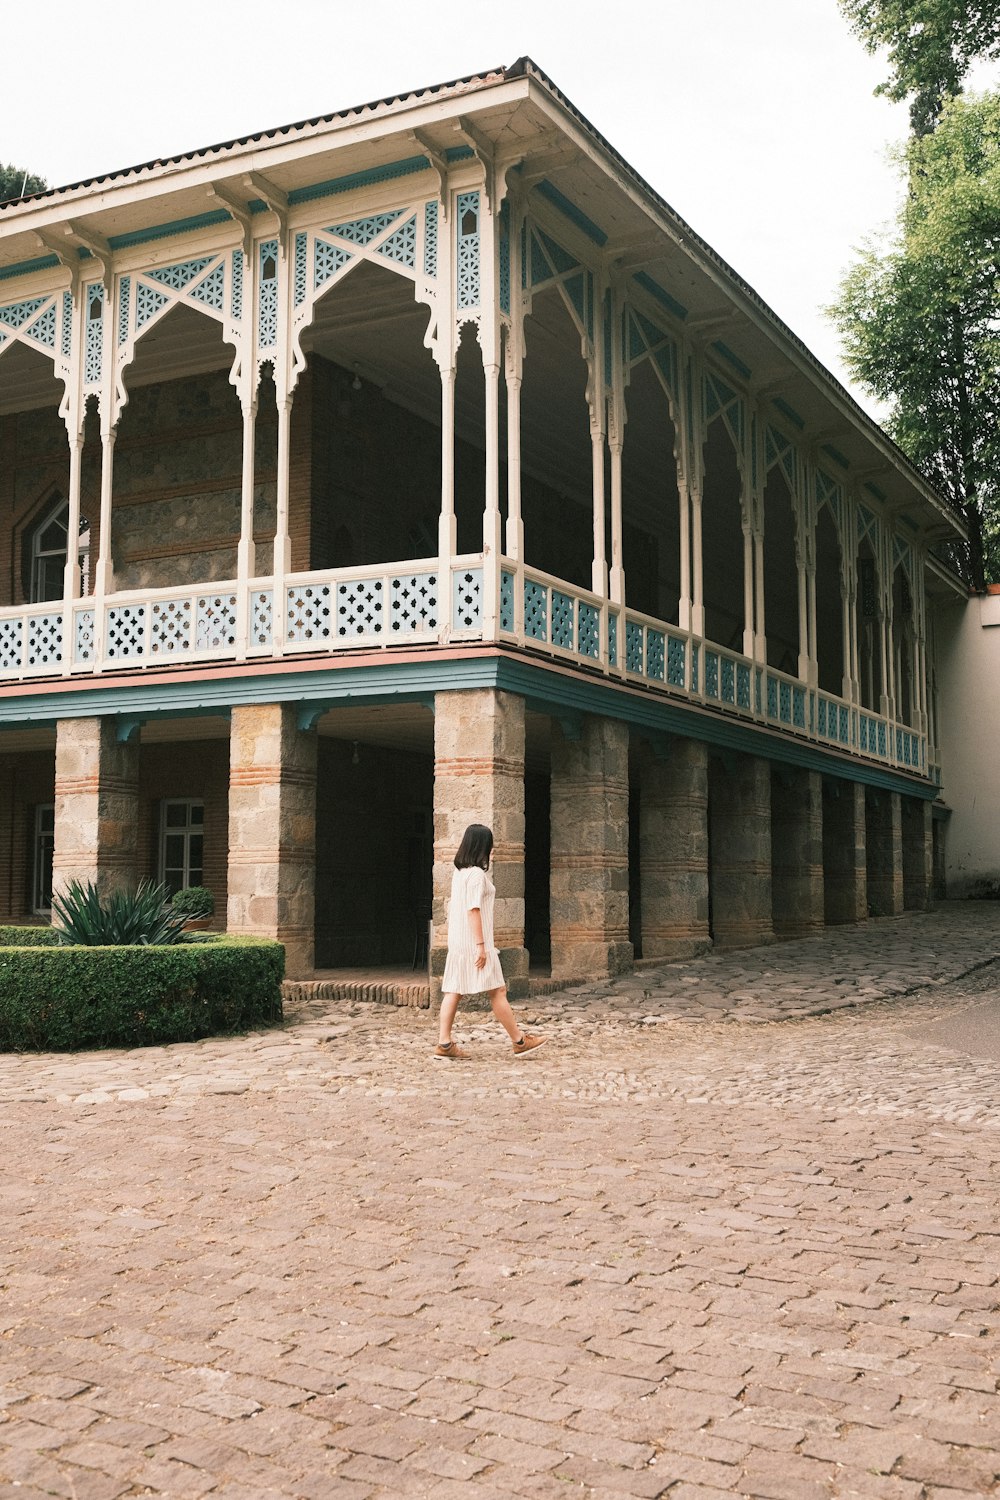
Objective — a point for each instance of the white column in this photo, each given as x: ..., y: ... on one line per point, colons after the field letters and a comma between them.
x: 447, y: 531
x: 282, y: 554
x: 760, y: 632
x: 492, y: 532
x: 515, y: 522
x: 71, y: 577
x: 246, y: 565
x: 599, y: 582
x: 748, y: 610
x: 804, y: 654
x: 684, y: 547
x: 848, y: 677
x: 617, y: 580
x: 104, y: 573
x: 697, y: 566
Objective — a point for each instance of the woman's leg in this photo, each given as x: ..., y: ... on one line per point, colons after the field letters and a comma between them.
x: 500, y: 1006
x: 446, y: 1018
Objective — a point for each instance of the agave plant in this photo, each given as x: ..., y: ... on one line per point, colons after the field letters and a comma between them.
x: 142, y: 916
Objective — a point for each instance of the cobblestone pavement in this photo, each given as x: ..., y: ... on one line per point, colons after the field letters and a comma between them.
x: 687, y: 1249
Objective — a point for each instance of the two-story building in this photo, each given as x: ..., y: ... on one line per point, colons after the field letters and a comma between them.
x: 418, y: 465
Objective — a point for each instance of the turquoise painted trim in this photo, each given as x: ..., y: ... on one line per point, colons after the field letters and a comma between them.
x: 641, y: 278
x: 570, y: 211
x: 23, y: 267
x: 731, y: 358
x: 459, y: 153
x: 789, y: 412
x: 873, y: 489
x: 166, y: 231
x: 836, y: 455
x: 551, y: 691
x: 910, y: 522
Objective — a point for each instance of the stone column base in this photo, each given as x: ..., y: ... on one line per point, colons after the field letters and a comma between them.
x: 96, y: 807
x: 740, y: 851
x: 918, y: 853
x: 796, y: 851
x: 885, y: 853
x: 845, y: 866
x: 673, y: 850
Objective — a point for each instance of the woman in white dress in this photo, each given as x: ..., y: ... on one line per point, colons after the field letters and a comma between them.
x: 473, y: 963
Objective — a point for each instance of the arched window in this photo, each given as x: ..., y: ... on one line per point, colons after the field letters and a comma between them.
x: 47, y: 562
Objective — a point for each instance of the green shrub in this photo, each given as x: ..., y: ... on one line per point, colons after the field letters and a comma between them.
x: 28, y: 937
x: 69, y: 998
x: 124, y: 918
x: 194, y: 901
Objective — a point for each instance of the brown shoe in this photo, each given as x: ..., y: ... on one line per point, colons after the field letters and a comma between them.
x: 449, y: 1049
x: 527, y: 1044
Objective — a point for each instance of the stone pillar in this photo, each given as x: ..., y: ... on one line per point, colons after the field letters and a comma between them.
x: 740, y: 850
x: 796, y: 851
x: 883, y: 818
x: 845, y: 862
x: 673, y: 850
x: 272, y: 830
x: 588, y: 883
x: 479, y: 778
x: 918, y: 853
x: 96, y: 806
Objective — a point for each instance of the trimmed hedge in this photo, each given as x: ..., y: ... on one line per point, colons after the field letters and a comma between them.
x: 28, y: 937
x: 68, y: 999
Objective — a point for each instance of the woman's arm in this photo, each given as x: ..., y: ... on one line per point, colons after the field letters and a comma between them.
x: 476, y: 926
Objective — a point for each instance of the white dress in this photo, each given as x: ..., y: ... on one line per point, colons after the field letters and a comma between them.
x: 470, y: 888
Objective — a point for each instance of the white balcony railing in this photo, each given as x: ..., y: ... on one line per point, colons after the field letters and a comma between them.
x: 404, y: 604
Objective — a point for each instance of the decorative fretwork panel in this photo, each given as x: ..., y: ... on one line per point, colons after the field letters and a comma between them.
x: 267, y: 301
x: 613, y: 640
x: 301, y: 266
x: 711, y: 674
x: 93, y: 345
x: 17, y: 314
x: 363, y: 231
x: 126, y: 632
x: 66, y: 341
x: 799, y: 708
x: 467, y: 245
x: 694, y: 667
x: 169, y: 626
x: 655, y: 654
x: 45, y: 647
x: 236, y: 304
x: 360, y: 608
x: 633, y: 647
x: 215, y: 622
x: 309, y: 613
x: 11, y: 638
x: 148, y: 302
x: 431, y: 238
x: 785, y: 702
x: 588, y: 634
x: 261, y: 611
x: 728, y: 680
x: 675, y: 661
x: 742, y: 686
x: 179, y: 276
x: 327, y: 261
x: 562, y: 620
x: 401, y: 245
x: 84, y: 635
x: 467, y: 599
x: 504, y: 258
x: 536, y: 611
x: 124, y: 304
x: 413, y: 603
x: 507, y: 601
x: 211, y: 290
x: 772, y: 698
x: 43, y: 329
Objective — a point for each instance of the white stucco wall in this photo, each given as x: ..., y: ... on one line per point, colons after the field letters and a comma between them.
x: 968, y: 676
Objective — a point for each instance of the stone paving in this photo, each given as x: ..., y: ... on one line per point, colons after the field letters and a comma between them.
x: 688, y: 1249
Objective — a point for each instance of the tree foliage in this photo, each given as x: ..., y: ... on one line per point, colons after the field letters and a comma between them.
x: 931, y: 44
x: 15, y: 182
x: 920, y: 318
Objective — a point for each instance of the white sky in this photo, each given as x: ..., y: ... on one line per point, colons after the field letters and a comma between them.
x: 753, y: 118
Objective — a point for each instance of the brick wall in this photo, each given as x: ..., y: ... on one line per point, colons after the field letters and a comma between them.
x: 197, y: 770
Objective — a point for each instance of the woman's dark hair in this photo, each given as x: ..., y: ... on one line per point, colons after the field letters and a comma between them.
x: 475, y: 848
